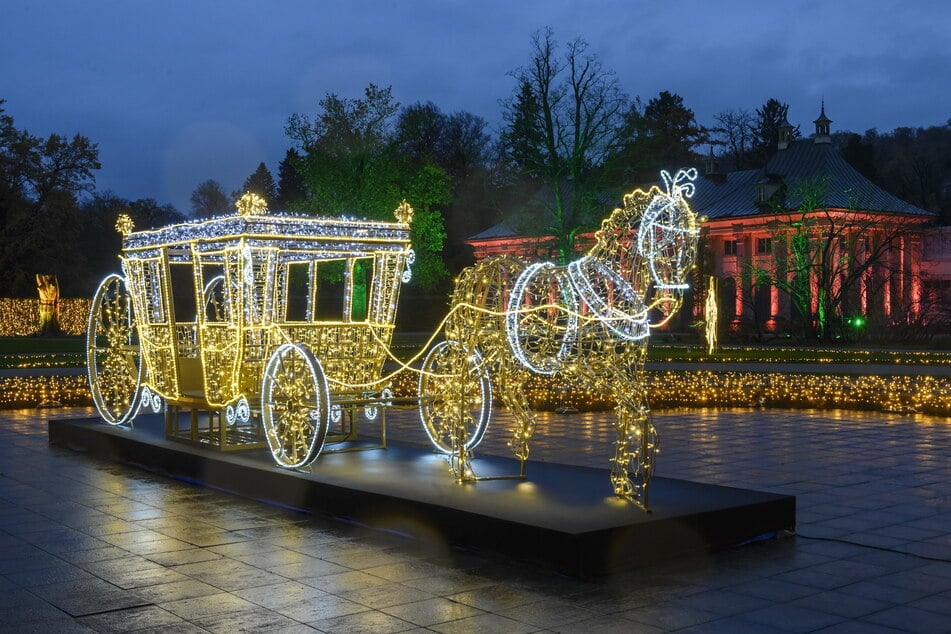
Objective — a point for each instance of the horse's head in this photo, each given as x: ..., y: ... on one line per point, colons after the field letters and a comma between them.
x: 668, y: 233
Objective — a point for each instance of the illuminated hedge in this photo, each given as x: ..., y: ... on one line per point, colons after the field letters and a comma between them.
x: 44, y: 391
x: 701, y: 388
x: 704, y: 388
x: 21, y: 317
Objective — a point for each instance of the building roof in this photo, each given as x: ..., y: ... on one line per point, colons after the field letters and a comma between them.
x: 734, y: 194
x: 501, y: 230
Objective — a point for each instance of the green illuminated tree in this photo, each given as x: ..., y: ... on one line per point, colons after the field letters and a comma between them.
x: 351, y: 164
x: 824, y: 256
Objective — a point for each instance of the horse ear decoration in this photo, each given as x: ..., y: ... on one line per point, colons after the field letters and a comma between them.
x: 589, y: 320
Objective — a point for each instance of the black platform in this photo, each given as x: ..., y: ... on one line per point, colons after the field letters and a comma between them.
x: 560, y: 517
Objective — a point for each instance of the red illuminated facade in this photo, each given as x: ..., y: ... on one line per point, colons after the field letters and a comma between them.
x: 879, y: 255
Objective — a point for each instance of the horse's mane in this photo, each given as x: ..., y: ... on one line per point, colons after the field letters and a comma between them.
x: 623, y: 220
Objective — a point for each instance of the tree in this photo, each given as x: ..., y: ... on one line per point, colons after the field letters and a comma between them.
x: 211, y: 199
x: 146, y: 213
x: 769, y: 118
x: 734, y: 131
x: 827, y: 258
x: 290, y: 186
x: 40, y: 182
x: 351, y: 165
x: 459, y: 145
x: 560, y: 125
x: 913, y: 164
x: 420, y: 133
x: 261, y: 182
x: 348, y: 164
x: 99, y: 236
x: 662, y: 135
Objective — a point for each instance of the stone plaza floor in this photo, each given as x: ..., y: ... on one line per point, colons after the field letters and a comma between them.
x: 88, y: 545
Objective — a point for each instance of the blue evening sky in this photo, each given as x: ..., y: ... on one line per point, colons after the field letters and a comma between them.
x: 179, y: 91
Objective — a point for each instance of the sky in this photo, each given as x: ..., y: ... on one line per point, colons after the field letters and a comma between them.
x: 175, y: 92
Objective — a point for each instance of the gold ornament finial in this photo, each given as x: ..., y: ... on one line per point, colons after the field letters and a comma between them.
x: 124, y: 225
x: 251, y: 205
x: 404, y: 213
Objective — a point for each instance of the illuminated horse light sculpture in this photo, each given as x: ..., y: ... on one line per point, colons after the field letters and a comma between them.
x: 589, y: 320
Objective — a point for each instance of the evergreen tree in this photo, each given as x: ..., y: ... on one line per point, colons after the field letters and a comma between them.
x: 766, y: 126
x: 261, y: 183
x: 290, y: 185
x: 662, y: 136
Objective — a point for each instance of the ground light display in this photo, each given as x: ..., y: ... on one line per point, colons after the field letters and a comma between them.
x: 223, y: 323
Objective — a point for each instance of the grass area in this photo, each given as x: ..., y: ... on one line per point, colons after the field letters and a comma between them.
x: 43, y: 345
x: 42, y: 352
x: 764, y: 354
x: 23, y: 352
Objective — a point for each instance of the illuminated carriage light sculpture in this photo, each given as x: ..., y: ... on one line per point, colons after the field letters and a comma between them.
x: 221, y: 316
x: 588, y: 320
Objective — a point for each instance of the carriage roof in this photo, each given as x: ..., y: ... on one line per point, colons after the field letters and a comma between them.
x: 304, y: 237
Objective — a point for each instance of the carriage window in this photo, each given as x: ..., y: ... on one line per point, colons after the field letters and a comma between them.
x: 182, y: 280
x: 361, y: 274
x: 297, y: 291
x: 214, y: 294
x: 329, y: 305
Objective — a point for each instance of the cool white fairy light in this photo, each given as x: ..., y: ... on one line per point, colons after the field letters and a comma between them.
x: 521, y: 309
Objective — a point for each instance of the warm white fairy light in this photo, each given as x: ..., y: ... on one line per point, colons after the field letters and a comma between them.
x: 242, y: 271
x: 588, y: 320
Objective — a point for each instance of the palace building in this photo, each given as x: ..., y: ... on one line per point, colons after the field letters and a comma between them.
x: 804, y: 235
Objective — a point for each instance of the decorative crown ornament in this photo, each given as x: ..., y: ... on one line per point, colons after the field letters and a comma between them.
x: 124, y: 224
x: 404, y: 213
x: 251, y: 205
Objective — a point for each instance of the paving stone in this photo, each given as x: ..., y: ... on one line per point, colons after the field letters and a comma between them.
x: 69, y: 524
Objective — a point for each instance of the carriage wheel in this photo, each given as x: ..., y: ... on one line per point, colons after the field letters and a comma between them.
x: 295, y: 406
x: 454, y: 384
x: 112, y: 352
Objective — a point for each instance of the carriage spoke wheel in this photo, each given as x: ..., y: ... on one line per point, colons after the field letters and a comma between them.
x: 112, y: 352
x: 454, y: 387
x: 295, y: 406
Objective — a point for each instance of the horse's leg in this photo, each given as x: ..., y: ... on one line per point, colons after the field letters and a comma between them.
x: 512, y: 388
x: 635, y: 449
x: 637, y: 440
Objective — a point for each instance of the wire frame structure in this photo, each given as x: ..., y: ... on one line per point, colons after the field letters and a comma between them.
x: 590, y: 319
x: 266, y: 330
